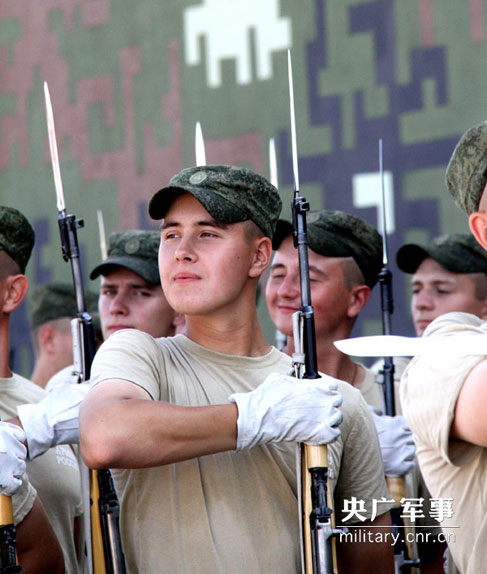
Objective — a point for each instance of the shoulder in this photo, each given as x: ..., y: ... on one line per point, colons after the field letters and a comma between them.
x: 456, y: 322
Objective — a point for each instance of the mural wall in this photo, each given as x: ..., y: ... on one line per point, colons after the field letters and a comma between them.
x: 129, y: 81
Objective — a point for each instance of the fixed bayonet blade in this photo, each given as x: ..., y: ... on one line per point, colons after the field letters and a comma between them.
x: 294, y: 145
x: 58, y: 184
x: 395, y: 346
x: 273, y: 163
x: 385, y: 257
x: 199, y: 145
x: 101, y: 231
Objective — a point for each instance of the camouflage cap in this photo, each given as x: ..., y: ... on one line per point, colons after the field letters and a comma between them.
x: 456, y: 252
x: 136, y: 250
x: 229, y: 193
x: 339, y: 234
x: 16, y: 236
x: 466, y: 174
x: 55, y: 300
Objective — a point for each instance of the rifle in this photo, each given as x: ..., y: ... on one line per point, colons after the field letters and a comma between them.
x: 396, y: 485
x: 106, y: 546
x: 318, y: 552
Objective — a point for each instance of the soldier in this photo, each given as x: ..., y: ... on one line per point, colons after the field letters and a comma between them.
x: 449, y: 274
x: 193, y: 418
x: 131, y: 297
x: 345, y: 258
x: 52, y: 307
x: 38, y: 549
x: 443, y: 395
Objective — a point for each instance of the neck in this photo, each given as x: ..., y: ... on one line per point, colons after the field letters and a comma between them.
x: 5, y: 371
x: 42, y: 372
x: 226, y: 335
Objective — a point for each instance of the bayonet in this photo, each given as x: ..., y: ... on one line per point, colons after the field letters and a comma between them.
x: 103, y: 238
x: 395, y: 346
x: 199, y: 145
x: 273, y: 164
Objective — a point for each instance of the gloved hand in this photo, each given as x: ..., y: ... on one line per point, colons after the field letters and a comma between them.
x: 54, y: 419
x: 396, y: 443
x: 12, y: 458
x: 284, y: 409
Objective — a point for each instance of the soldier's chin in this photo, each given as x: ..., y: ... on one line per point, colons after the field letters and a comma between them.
x: 420, y: 329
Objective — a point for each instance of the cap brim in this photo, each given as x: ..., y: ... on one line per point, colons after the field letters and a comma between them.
x: 134, y: 264
x: 284, y: 228
x: 162, y: 199
x: 410, y: 256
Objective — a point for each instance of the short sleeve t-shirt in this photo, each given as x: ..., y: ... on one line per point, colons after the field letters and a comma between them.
x: 217, y: 512
x: 455, y: 471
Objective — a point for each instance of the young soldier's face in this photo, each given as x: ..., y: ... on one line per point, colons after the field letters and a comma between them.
x: 128, y: 302
x: 204, y: 264
x: 436, y: 291
x: 329, y: 295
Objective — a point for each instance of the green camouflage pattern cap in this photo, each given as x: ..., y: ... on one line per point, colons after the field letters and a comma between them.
x: 456, y: 252
x: 16, y: 236
x: 466, y: 174
x: 136, y: 250
x: 56, y: 300
x: 229, y: 193
x: 339, y: 234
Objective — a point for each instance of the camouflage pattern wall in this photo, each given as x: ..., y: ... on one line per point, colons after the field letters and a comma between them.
x: 129, y: 80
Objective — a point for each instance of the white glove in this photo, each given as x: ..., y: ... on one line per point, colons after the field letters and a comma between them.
x: 396, y: 443
x: 12, y: 458
x: 284, y: 409
x: 54, y: 419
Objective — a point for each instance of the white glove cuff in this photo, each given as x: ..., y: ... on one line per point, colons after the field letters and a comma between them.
x: 53, y: 420
x: 247, y: 433
x: 38, y: 432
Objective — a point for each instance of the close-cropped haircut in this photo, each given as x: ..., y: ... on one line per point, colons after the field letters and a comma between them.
x: 7, y: 266
x: 480, y: 284
x: 352, y: 276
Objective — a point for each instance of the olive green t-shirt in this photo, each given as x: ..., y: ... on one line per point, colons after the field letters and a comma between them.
x: 454, y: 470
x: 232, y: 511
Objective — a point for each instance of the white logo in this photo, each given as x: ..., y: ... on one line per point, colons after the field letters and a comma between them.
x: 228, y: 26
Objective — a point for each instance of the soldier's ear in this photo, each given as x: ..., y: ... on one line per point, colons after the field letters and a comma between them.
x: 262, y: 256
x: 16, y: 287
x: 478, y: 226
